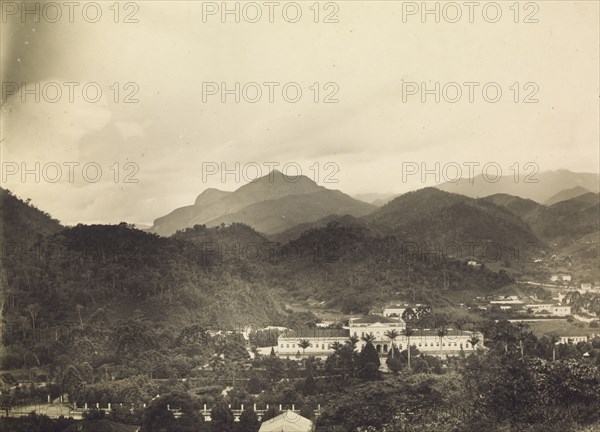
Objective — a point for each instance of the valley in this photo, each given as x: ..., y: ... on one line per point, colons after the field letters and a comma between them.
x: 204, y: 311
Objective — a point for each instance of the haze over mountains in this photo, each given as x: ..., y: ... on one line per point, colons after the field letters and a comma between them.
x: 563, y: 211
x: 437, y: 217
x: 567, y: 194
x: 348, y: 249
x: 270, y: 204
x: 569, y: 222
x: 541, y: 187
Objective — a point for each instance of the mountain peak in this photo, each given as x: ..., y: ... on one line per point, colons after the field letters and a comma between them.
x: 567, y: 194
x: 210, y: 196
x: 276, y: 184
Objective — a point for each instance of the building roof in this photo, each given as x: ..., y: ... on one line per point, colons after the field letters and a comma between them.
x: 315, y: 333
x: 395, y: 307
x: 372, y: 319
x: 289, y: 421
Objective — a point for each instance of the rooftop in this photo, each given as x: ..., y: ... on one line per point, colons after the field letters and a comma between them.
x: 315, y: 333
x: 372, y: 319
x: 288, y: 421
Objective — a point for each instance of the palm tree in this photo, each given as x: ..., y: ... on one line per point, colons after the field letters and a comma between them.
x: 368, y: 338
x: 392, y: 335
x: 78, y: 308
x: 303, y: 343
x: 474, y: 341
x: 352, y: 340
x: 336, y: 346
x: 554, y: 338
x: 409, y: 314
x: 33, y: 310
x: 521, y: 336
x: 408, y: 332
x: 442, y: 331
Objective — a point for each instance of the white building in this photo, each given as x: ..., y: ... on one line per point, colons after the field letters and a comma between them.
x: 288, y: 421
x: 560, y: 277
x: 321, y: 341
x: 325, y: 324
x: 588, y: 288
x: 552, y: 309
x: 395, y: 310
x: 572, y: 339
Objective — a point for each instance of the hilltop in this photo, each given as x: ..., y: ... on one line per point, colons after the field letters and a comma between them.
x: 270, y: 204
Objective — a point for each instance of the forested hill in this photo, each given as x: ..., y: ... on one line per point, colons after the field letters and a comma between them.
x: 119, y: 269
x: 21, y: 223
x: 95, y: 279
x: 437, y: 217
x: 350, y: 267
x: 94, y: 285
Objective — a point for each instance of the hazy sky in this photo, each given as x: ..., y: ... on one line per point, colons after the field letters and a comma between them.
x: 372, y: 55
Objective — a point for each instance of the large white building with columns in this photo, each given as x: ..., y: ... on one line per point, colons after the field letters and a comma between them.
x: 427, y: 341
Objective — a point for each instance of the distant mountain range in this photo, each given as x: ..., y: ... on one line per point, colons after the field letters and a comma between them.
x: 541, y: 187
x: 348, y: 249
x: 270, y: 204
x: 563, y: 210
x: 436, y: 217
x: 567, y: 218
x: 567, y: 194
x: 376, y: 199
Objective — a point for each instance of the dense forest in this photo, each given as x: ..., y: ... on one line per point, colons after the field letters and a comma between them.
x: 517, y: 383
x: 110, y: 313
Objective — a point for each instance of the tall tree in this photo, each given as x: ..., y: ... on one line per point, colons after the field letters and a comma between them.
x: 221, y: 418
x: 352, y: 340
x: 408, y: 332
x: 303, y: 343
x: 368, y: 338
x: 159, y: 415
x: 369, y: 355
x: 474, y: 340
x: 553, y: 339
x: 392, y: 335
x: 78, y: 308
x: 442, y: 331
x: 33, y: 310
x: 248, y: 421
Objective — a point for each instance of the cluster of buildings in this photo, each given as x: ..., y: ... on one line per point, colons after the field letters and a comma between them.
x: 514, y: 303
x: 587, y: 287
x: 561, y: 278
x: 567, y: 279
x: 552, y: 309
x: 321, y: 342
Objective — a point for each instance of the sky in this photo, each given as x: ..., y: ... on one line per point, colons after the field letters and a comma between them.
x: 165, y: 124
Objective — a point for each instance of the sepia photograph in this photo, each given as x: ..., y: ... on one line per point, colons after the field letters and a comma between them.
x: 299, y: 216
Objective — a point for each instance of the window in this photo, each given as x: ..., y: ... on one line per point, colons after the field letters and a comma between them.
x: 287, y: 345
x: 281, y: 345
x: 323, y: 346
